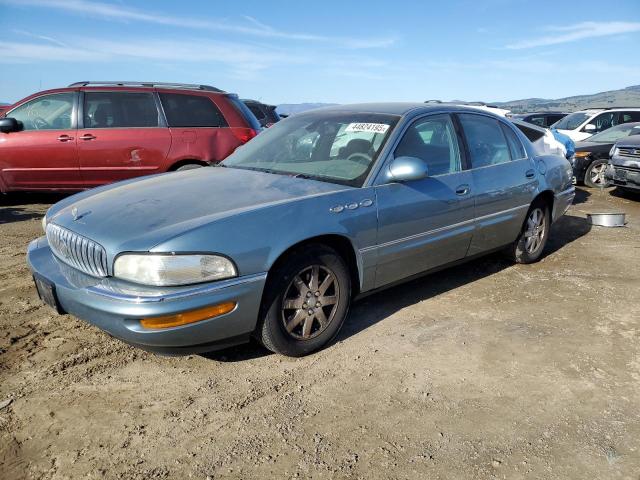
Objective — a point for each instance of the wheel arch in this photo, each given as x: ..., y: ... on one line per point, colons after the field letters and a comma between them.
x: 548, y: 197
x: 186, y: 161
x: 341, y: 244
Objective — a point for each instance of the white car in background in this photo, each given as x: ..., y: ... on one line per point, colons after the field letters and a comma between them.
x: 541, y: 138
x: 581, y: 125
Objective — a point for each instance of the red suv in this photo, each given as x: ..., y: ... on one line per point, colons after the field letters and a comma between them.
x: 92, y: 133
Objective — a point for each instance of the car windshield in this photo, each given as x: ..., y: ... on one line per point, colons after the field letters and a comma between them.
x: 571, y: 122
x: 328, y: 146
x: 614, y: 134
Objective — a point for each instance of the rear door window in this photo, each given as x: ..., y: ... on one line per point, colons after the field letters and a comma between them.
x: 119, y: 110
x: 626, y: 117
x: 516, y: 149
x: 485, y: 139
x: 191, y: 111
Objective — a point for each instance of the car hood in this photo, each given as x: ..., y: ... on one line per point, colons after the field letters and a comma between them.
x: 590, y: 146
x: 139, y: 214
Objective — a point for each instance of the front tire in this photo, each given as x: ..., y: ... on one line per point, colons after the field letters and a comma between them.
x: 306, y: 301
x: 594, y: 176
x: 530, y: 244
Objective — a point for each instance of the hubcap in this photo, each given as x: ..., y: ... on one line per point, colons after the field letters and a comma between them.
x: 535, y: 232
x: 597, y: 174
x: 310, y: 302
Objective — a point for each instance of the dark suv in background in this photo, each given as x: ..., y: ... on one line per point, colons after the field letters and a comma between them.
x: 542, y: 119
x: 93, y: 133
x: 266, y: 114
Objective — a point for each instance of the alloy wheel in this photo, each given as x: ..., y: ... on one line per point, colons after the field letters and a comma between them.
x: 535, y: 232
x: 310, y: 302
x: 597, y: 174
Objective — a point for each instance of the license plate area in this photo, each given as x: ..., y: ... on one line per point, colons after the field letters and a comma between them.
x: 620, y: 174
x: 47, y: 293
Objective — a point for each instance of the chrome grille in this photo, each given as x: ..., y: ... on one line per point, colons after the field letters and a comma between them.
x: 77, y: 251
x: 629, y: 152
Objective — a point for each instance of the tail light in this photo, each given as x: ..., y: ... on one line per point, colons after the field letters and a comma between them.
x: 243, y: 134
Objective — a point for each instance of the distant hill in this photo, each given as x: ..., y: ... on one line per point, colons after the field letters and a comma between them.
x: 291, y: 108
x: 626, y: 97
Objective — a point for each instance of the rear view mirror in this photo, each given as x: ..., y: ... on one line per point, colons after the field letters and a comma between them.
x: 590, y: 128
x: 8, y: 125
x: 403, y: 169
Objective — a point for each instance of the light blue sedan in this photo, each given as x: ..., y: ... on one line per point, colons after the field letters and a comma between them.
x: 277, y: 241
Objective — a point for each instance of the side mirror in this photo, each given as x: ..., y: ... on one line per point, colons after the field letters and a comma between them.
x: 591, y: 128
x: 404, y: 169
x: 8, y: 125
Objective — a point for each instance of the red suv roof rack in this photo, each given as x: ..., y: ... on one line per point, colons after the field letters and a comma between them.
x: 188, y: 86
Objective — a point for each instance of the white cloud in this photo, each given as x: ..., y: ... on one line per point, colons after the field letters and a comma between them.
x: 253, y: 26
x: 578, y: 31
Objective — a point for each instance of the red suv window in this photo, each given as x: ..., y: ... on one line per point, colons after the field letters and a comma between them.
x: 191, y: 111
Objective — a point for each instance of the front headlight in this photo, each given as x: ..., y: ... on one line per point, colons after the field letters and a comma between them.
x: 44, y: 224
x: 612, y: 152
x: 169, y: 270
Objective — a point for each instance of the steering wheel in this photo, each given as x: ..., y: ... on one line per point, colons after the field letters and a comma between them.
x: 361, y: 158
x: 39, y: 123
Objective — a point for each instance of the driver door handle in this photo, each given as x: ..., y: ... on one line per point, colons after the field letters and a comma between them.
x: 530, y: 173
x: 462, y: 189
x: 65, y: 138
x: 87, y: 136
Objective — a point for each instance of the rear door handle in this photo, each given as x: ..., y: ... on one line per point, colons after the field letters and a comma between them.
x: 462, y: 190
x: 65, y: 138
x: 87, y: 136
x: 530, y: 173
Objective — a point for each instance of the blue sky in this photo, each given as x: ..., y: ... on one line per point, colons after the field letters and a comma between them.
x: 332, y: 51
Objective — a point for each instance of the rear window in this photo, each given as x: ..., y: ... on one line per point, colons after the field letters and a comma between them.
x: 191, y: 111
x: 531, y: 133
x: 249, y: 117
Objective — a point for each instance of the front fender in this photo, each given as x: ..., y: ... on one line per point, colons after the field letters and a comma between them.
x: 255, y: 239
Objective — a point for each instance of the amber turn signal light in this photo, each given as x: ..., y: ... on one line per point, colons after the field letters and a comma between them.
x: 168, y: 321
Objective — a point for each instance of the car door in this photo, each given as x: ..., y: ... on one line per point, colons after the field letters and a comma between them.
x: 122, y: 135
x: 503, y: 177
x: 429, y: 222
x: 43, y: 154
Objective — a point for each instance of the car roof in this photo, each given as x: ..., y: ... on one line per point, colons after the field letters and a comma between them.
x: 397, y: 108
x: 612, y: 109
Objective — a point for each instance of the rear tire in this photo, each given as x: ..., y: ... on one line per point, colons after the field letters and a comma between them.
x: 594, y: 176
x: 305, y: 302
x: 188, y: 166
x: 530, y: 244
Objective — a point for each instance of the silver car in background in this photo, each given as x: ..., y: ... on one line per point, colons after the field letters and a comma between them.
x: 276, y: 242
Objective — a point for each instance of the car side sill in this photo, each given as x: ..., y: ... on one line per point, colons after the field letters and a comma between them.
x: 429, y: 272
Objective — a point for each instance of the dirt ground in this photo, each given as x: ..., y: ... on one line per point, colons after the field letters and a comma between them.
x: 486, y: 370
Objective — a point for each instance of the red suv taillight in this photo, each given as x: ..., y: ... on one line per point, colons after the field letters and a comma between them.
x: 243, y: 134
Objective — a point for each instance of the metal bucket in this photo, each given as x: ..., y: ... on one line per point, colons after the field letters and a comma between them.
x: 606, y: 219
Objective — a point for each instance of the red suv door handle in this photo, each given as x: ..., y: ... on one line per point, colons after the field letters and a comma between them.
x: 65, y: 138
x: 87, y: 136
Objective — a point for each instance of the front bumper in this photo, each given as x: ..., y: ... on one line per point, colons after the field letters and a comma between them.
x: 116, y: 307
x: 624, y: 176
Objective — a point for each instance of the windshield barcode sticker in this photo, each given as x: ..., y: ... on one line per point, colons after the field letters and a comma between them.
x: 367, y: 127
